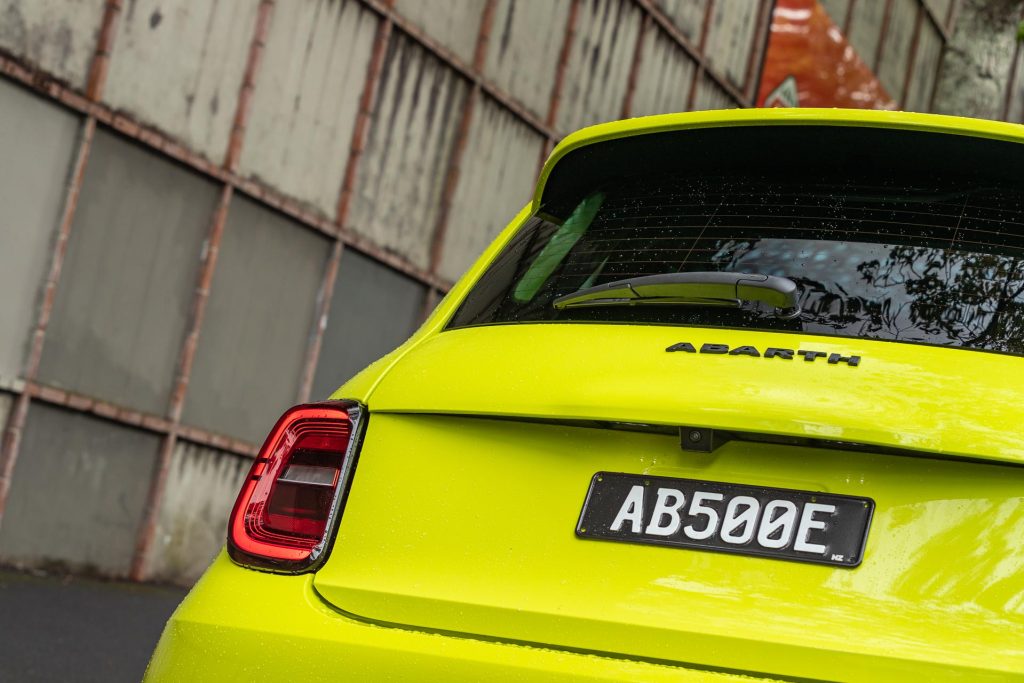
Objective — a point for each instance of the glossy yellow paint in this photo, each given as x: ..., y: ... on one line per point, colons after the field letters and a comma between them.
x: 940, y: 593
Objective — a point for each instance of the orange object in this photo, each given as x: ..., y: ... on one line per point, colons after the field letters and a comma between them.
x: 810, y: 64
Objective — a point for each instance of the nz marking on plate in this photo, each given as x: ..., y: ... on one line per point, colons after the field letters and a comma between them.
x: 769, y: 352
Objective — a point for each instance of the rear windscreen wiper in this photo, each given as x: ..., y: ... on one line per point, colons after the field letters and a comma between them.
x: 690, y: 289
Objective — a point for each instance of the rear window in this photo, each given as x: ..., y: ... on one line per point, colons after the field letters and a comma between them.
x: 925, y: 252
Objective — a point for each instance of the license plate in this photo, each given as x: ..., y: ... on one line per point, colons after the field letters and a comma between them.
x: 731, y: 518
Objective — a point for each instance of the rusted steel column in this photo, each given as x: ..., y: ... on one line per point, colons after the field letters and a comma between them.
x: 848, y: 19
x: 207, y: 268
x: 702, y: 45
x: 560, y: 69
x: 367, y: 107
x: 915, y: 40
x: 104, y: 44
x: 634, y: 69
x: 882, y: 35
x: 259, y: 41
x: 323, y: 308
x: 755, y: 62
x: 186, y: 358
x: 451, y: 181
x: 19, y: 412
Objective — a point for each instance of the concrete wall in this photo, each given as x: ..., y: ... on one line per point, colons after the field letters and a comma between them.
x: 230, y: 151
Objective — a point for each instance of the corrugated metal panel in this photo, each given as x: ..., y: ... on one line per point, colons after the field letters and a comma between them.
x: 77, y: 492
x: 495, y: 181
x: 57, y: 35
x: 666, y: 73
x: 201, y: 487
x: 522, y: 54
x: 922, y: 80
x: 33, y: 182
x: 454, y: 24
x: 258, y: 320
x: 307, y: 96
x: 598, y: 71
x: 373, y: 310
x: 837, y: 10
x: 687, y: 15
x: 865, y: 29
x: 179, y: 64
x: 402, y: 171
x: 893, y: 69
x: 1016, y: 113
x: 731, y: 38
x: 126, y: 290
x: 711, y: 96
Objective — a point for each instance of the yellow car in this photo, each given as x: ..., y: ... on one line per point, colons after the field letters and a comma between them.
x: 738, y: 395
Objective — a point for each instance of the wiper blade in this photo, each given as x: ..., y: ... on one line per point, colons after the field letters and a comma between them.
x: 702, y: 288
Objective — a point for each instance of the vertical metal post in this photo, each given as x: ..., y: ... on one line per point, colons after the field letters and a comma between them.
x: 848, y: 19
x: 634, y: 69
x: 882, y: 35
x: 915, y: 41
x: 755, y: 63
x: 451, y: 181
x: 560, y: 69
x: 207, y: 268
x: 11, y: 442
x: 702, y: 45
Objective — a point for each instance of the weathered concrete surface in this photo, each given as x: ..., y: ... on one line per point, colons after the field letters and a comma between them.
x: 126, y: 289
x: 688, y: 16
x: 976, y: 67
x: 258, y: 320
x: 364, y: 291
x: 202, y: 484
x: 178, y: 64
x: 495, y: 181
x: 402, y: 171
x: 522, y: 54
x: 454, y: 24
x: 306, y: 98
x: 666, y: 74
x: 33, y: 183
x: 68, y: 629
x: 731, y: 38
x: 599, y: 62
x: 56, y: 35
x: 77, y: 493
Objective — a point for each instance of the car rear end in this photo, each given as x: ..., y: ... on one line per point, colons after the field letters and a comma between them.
x: 676, y: 487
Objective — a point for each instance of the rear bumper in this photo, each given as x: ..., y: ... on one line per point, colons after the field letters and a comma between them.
x: 243, y: 625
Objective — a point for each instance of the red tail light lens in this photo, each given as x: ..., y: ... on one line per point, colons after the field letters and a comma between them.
x: 285, y: 511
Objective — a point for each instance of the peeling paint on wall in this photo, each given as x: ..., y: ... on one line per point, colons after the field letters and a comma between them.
x: 178, y: 64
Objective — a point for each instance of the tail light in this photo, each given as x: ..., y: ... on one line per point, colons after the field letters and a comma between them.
x: 285, y: 512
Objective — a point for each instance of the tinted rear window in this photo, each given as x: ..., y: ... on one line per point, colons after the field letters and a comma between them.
x: 928, y: 253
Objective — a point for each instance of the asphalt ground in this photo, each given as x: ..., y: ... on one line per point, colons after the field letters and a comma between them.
x: 73, y: 629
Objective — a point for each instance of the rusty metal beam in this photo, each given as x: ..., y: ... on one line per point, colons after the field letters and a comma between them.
x: 451, y: 181
x: 940, y: 25
x: 915, y: 41
x: 16, y: 420
x: 252, y: 65
x: 705, y: 29
x: 154, y: 139
x: 883, y: 33
x: 848, y: 19
x: 755, y: 62
x: 323, y: 308
x: 101, y: 57
x: 560, y: 70
x: 634, y: 67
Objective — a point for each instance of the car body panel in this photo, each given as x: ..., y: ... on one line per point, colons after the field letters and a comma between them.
x: 456, y: 559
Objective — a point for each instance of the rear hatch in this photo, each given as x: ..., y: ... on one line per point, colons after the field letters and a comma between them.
x: 874, y: 367
x: 464, y: 520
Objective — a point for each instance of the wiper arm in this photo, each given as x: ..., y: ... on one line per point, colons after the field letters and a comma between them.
x: 702, y: 288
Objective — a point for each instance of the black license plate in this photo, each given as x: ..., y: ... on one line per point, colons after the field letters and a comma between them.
x: 732, y: 518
